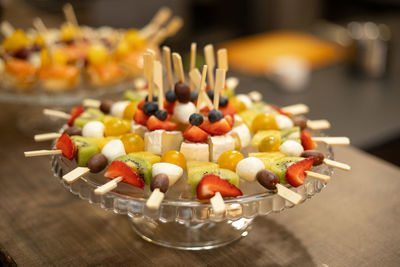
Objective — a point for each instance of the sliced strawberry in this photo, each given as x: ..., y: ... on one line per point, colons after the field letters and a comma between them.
x: 281, y: 111
x: 155, y: 124
x: 230, y: 109
x: 296, y: 173
x: 141, y: 103
x: 306, y: 140
x: 169, y: 107
x: 66, y: 145
x: 120, y: 169
x: 211, y: 184
x: 75, y: 113
x: 216, y: 128
x: 140, y: 117
x: 195, y: 134
x: 229, y: 119
x: 204, y: 110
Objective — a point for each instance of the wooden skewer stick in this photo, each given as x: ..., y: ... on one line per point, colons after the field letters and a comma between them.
x: 148, y: 72
x: 155, y: 199
x: 6, y: 28
x: 210, y: 61
x: 218, y: 204
x: 167, y: 64
x: 43, y: 152
x: 171, y: 29
x: 333, y: 141
x: 202, y: 88
x: 318, y: 176
x: 195, y: 77
x: 75, y: 174
x: 158, y: 80
x: 107, y: 187
x: 178, y: 67
x: 56, y: 113
x: 91, y: 103
x: 336, y: 164
x: 288, y: 194
x: 193, y: 49
x: 296, y: 109
x: 162, y: 15
x: 39, y: 25
x: 219, y: 86
x: 222, y: 55
x: 46, y: 136
x: 318, y: 124
x: 70, y: 14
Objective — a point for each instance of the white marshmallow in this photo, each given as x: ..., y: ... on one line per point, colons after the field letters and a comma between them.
x: 182, y: 111
x: 245, y: 99
x: 93, y: 129
x: 248, y: 168
x: 283, y: 121
x: 118, y: 108
x: 291, y: 148
x: 113, y: 149
x: 174, y: 172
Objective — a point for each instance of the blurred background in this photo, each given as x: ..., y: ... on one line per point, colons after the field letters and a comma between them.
x: 342, y: 58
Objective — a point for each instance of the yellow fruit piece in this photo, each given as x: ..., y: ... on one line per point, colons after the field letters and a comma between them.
x: 261, y: 134
x: 270, y: 143
x: 130, y: 110
x: 268, y: 157
x: 45, y: 58
x: 122, y: 48
x: 239, y: 105
x: 39, y: 40
x: 264, y: 121
x: 116, y: 126
x: 16, y: 41
x: 150, y: 157
x: 59, y: 57
x: 69, y: 32
x: 229, y: 159
x: 248, y: 117
x: 194, y: 166
x: 102, y: 141
x: 98, y: 54
x: 134, y: 40
x: 174, y: 157
x: 132, y: 142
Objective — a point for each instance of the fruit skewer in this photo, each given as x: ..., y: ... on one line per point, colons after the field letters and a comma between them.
x: 193, y: 49
x: 168, y: 66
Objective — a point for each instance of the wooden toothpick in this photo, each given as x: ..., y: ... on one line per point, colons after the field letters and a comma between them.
x: 158, y: 80
x: 107, y: 187
x: 222, y: 55
x: 167, y: 64
x: 46, y: 136
x: 288, y: 194
x: 218, y: 204
x: 210, y: 61
x: 42, y: 152
x: 148, y: 66
x: 333, y: 141
x: 70, y: 14
x: 318, y: 124
x: 75, y: 174
x: 56, y: 113
x: 193, y: 49
x: 178, y: 67
x: 162, y: 15
x: 202, y: 89
x: 219, y: 85
x: 296, y: 109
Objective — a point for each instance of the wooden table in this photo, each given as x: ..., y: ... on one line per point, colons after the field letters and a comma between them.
x: 353, y: 222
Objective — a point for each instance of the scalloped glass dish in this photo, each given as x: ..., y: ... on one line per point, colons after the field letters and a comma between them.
x: 182, y: 221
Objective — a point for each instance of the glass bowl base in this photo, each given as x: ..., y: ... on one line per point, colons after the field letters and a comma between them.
x: 190, y: 236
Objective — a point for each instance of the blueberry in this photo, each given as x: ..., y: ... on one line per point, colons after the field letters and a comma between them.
x: 215, y: 115
x: 194, y: 95
x: 210, y: 94
x: 223, y: 101
x: 161, y: 115
x: 196, y: 119
x: 149, y: 108
x: 182, y: 92
x: 170, y: 96
x: 155, y: 98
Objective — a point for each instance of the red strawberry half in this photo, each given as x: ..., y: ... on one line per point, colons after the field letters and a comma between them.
x: 169, y: 107
x: 211, y: 184
x: 155, y: 124
x: 75, y: 112
x: 120, y: 169
x: 141, y: 103
x: 230, y: 109
x: 216, y: 128
x: 195, y: 134
x: 229, y: 119
x: 140, y: 117
x: 306, y: 140
x: 66, y: 145
x: 296, y: 174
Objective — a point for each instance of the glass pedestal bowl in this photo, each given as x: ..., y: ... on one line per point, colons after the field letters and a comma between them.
x: 182, y: 221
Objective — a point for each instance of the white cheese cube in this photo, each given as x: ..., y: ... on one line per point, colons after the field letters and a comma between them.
x: 153, y: 141
x: 219, y: 144
x: 138, y: 129
x: 242, y: 132
x: 171, y: 140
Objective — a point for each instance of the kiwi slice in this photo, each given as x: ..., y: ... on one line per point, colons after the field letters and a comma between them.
x: 135, y: 95
x: 291, y: 134
x: 280, y: 167
x: 90, y: 114
x: 225, y: 174
x: 141, y: 166
x: 268, y: 157
x: 150, y: 157
x: 86, y: 148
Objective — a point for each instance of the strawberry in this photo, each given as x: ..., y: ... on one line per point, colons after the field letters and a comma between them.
x: 118, y: 168
x: 281, y: 111
x: 211, y: 184
x: 195, y: 134
x: 230, y: 109
x: 306, y: 140
x: 229, y: 119
x: 169, y: 107
x: 75, y: 112
x: 141, y: 103
x: 216, y: 128
x: 66, y: 145
x: 140, y: 117
x: 155, y: 124
x: 296, y: 174
x: 204, y: 110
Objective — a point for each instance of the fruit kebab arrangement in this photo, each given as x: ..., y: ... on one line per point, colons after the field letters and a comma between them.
x: 62, y: 59
x: 199, y: 132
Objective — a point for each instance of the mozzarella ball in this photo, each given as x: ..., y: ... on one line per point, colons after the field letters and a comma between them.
x: 182, y: 111
x: 174, y: 172
x: 247, y: 168
x: 113, y: 149
x: 291, y: 148
x: 283, y: 121
x: 93, y: 129
x: 118, y: 108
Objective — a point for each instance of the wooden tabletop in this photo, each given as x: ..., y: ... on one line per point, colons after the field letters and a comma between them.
x: 353, y: 222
